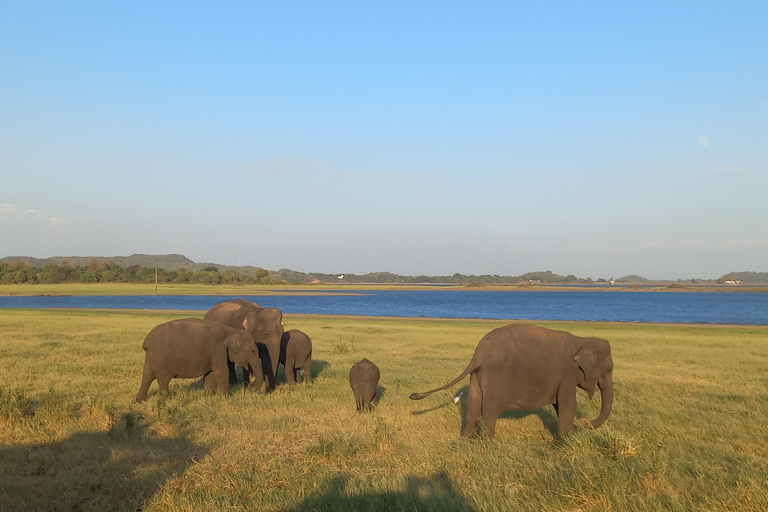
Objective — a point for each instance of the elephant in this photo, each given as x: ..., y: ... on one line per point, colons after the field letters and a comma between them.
x: 191, y: 347
x: 526, y: 367
x: 295, y: 353
x: 364, y: 379
x: 266, y: 327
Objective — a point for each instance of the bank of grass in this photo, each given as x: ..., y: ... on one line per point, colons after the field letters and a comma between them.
x: 689, y: 429
x: 65, y: 289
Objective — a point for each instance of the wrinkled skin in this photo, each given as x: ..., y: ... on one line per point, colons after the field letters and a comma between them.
x: 364, y: 379
x: 266, y: 328
x: 191, y: 347
x: 527, y: 367
x: 295, y: 354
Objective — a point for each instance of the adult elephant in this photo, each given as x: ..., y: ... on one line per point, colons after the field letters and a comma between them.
x: 526, y: 367
x: 266, y: 327
x: 190, y: 348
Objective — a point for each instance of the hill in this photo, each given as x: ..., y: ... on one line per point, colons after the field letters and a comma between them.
x: 746, y: 277
x: 174, y: 262
x: 167, y: 262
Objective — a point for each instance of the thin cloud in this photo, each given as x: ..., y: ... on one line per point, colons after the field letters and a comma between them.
x: 703, y: 141
x: 30, y: 213
x: 729, y: 171
x: 284, y: 166
x: 288, y: 166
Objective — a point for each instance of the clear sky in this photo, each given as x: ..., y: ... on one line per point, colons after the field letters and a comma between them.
x: 594, y: 139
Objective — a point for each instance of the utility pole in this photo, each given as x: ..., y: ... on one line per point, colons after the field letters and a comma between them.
x: 156, y: 277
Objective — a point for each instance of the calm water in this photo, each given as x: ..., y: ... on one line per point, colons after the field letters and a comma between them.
x: 714, y: 308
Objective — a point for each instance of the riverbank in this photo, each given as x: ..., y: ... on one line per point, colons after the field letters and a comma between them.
x: 688, y: 428
x: 96, y: 289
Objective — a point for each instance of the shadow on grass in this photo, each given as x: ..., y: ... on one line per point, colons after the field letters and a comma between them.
x: 318, y: 367
x: 380, y: 392
x: 421, y: 494
x: 120, y: 469
x: 548, y: 419
x: 461, y: 393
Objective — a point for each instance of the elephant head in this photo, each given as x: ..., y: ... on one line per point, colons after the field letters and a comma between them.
x: 266, y: 328
x: 241, y: 348
x: 594, y: 360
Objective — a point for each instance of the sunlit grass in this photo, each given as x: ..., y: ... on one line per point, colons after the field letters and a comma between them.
x: 689, y: 429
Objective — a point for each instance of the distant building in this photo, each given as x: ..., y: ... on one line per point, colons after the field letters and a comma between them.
x: 733, y: 282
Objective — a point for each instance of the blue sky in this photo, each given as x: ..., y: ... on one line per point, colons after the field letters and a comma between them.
x: 430, y: 138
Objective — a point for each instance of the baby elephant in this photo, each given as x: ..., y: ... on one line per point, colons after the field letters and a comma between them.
x: 295, y: 354
x: 192, y: 347
x: 364, y: 378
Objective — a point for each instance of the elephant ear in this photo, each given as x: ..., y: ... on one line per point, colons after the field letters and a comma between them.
x: 249, y: 322
x: 586, y: 358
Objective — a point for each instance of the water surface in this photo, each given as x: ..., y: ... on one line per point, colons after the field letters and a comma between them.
x: 672, y: 307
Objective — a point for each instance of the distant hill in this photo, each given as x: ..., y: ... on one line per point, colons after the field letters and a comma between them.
x: 165, y: 262
x: 171, y: 262
x: 746, y: 277
x: 632, y: 279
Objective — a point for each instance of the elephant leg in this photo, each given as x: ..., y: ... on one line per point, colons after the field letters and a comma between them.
x: 163, y: 382
x: 308, y: 370
x: 220, y: 374
x: 246, y: 376
x: 146, y: 379
x: 491, y: 412
x: 566, y: 410
x: 232, y: 372
x: 290, y: 373
x: 210, y: 382
x: 474, y: 407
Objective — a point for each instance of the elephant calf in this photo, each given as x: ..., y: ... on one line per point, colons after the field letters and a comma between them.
x: 364, y: 378
x: 295, y: 354
x: 528, y: 367
x: 190, y: 348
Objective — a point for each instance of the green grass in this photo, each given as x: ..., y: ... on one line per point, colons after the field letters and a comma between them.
x: 689, y: 429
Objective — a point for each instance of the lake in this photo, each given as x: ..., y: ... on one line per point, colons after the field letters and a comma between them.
x: 666, y: 307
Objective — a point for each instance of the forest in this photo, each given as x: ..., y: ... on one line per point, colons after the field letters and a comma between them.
x: 107, y: 271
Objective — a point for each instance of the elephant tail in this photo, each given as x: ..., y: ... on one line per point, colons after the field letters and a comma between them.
x: 471, y: 367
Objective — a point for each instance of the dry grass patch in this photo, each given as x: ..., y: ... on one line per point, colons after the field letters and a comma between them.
x: 688, y: 430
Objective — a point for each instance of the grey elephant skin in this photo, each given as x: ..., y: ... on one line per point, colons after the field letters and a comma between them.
x: 295, y: 355
x: 266, y: 327
x: 364, y: 379
x: 527, y: 367
x: 191, y: 347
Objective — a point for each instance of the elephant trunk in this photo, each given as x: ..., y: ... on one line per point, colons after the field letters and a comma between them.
x: 270, y: 369
x: 606, y: 395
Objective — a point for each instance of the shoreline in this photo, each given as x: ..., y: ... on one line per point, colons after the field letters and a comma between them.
x: 315, y: 316
x: 96, y: 289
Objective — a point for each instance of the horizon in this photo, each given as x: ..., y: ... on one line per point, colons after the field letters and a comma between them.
x: 306, y: 272
x: 426, y: 139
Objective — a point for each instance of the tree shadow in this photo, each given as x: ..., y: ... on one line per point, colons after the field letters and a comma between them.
x: 421, y: 494
x: 120, y: 469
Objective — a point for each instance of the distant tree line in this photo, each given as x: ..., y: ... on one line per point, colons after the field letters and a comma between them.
x: 176, y: 268
x: 107, y: 271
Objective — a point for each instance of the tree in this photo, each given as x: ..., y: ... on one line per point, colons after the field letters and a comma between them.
x: 230, y: 277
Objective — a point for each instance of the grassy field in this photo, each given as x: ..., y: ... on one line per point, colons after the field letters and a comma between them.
x: 689, y: 429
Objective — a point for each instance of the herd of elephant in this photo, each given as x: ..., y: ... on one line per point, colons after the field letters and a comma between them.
x: 514, y: 367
